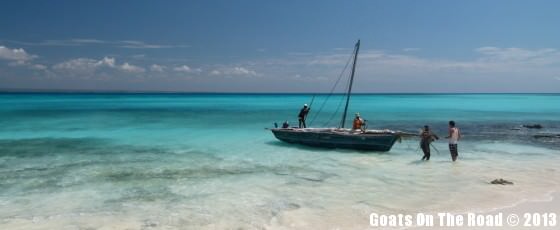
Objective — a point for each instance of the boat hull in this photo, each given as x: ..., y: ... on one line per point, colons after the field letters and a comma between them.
x: 381, y: 141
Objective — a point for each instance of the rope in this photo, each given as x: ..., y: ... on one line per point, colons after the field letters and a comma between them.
x: 332, y: 90
x: 338, y: 106
x: 435, y: 148
x: 312, y: 99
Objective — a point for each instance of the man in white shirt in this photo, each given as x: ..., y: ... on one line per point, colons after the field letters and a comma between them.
x: 454, y: 136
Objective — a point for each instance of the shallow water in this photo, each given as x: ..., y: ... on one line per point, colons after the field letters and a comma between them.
x: 205, y: 161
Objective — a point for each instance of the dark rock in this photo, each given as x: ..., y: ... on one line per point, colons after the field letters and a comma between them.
x: 547, y: 135
x: 501, y: 181
x: 533, y: 126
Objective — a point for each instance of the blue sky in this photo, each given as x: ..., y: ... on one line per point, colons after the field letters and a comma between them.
x: 280, y: 46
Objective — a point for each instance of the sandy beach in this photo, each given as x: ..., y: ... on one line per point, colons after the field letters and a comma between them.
x: 517, y: 216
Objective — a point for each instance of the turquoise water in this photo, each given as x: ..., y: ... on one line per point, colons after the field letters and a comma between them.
x: 205, y: 161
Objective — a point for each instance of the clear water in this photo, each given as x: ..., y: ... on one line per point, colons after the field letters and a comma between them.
x: 206, y: 161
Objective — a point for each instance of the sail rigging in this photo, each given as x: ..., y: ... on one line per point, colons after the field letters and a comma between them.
x: 351, y: 57
x: 376, y: 140
x: 356, y: 50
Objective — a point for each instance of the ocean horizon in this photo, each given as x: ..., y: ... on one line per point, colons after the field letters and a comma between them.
x: 86, y: 91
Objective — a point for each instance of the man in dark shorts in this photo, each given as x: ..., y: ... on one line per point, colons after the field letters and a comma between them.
x: 426, y: 138
x: 303, y: 115
x: 454, y: 136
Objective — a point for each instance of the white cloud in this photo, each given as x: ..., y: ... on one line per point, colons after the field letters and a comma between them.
x: 86, y: 41
x: 18, y: 55
x: 157, y: 68
x: 84, y: 65
x: 411, y: 49
x: 90, y: 66
x: 143, y: 45
x: 488, y: 69
x: 131, y: 68
x: 490, y: 59
x: 138, y: 56
x: 107, y: 62
x: 233, y: 71
x: 341, y: 49
x: 300, y: 53
x: 183, y: 68
x: 38, y: 67
x: 131, y: 44
x: 514, y: 54
x: 242, y: 71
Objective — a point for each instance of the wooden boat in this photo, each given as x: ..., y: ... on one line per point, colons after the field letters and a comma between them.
x: 376, y: 140
x: 340, y: 137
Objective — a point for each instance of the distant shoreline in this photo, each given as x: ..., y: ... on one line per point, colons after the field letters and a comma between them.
x: 60, y: 91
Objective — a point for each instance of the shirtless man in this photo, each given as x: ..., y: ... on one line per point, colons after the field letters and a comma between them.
x: 454, y: 136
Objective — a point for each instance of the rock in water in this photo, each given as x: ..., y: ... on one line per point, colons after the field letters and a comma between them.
x: 547, y: 135
x: 501, y: 181
x: 533, y: 126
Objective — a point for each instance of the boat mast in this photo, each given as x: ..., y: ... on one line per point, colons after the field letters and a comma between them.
x: 356, y: 49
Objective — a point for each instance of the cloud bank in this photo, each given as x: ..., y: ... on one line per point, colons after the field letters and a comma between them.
x: 489, y: 69
x: 88, y: 66
x: 129, y: 44
x: 18, y: 55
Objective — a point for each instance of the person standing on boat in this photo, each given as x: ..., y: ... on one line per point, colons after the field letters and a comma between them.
x: 303, y: 115
x: 358, y: 122
x: 426, y: 138
x: 454, y: 136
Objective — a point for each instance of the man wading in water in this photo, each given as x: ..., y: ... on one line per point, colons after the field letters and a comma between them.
x: 426, y: 139
x: 454, y: 136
